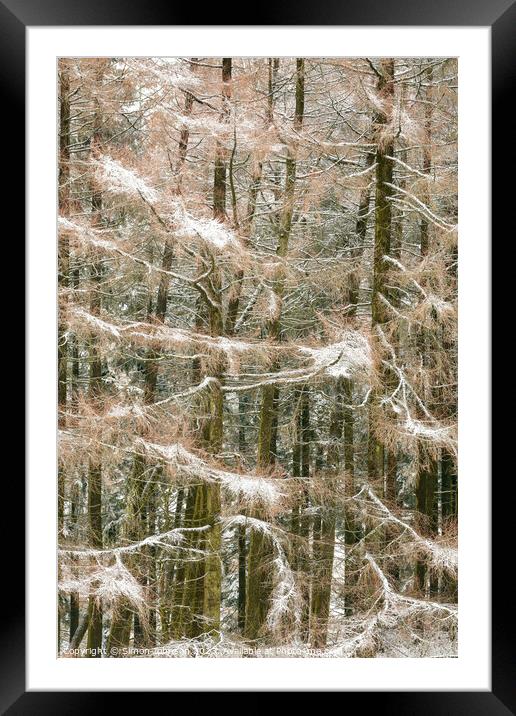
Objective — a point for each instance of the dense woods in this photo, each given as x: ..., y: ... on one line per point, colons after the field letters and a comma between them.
x: 257, y: 357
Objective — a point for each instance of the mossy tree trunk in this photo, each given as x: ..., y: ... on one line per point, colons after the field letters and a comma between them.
x: 202, y: 590
x: 344, y: 400
x: 95, y: 388
x: 75, y: 488
x: 63, y: 282
x: 260, y: 579
x: 300, y: 518
x: 382, y: 243
x: 427, y: 478
x: 143, y: 513
x: 323, y: 545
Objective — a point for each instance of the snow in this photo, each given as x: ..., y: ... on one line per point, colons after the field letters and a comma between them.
x: 210, y: 231
x: 343, y: 359
x: 433, y: 432
x: 163, y: 334
x: 441, y: 306
x: 443, y: 557
x: 273, y: 305
x: 98, y: 323
x: 123, y: 411
x: 108, y: 584
x: 394, y: 262
x: 66, y: 224
x: 114, y: 177
x: 401, y: 626
x: 250, y: 489
x: 165, y: 540
x: 285, y: 594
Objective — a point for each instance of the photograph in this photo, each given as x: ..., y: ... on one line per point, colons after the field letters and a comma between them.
x: 257, y: 357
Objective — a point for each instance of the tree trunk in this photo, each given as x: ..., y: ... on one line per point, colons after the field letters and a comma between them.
x: 382, y: 243
x: 260, y: 581
x: 202, y: 592
x: 63, y: 282
x: 323, y: 546
x: 95, y: 465
x: 427, y: 479
x: 95, y: 472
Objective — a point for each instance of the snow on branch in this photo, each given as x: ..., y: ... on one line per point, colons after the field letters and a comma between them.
x: 351, y: 356
x: 165, y: 540
x: 108, y: 584
x: 442, y: 558
x: 417, y: 204
x: 210, y: 232
x: 97, y: 323
x: 113, y: 177
x: 431, y: 431
x: 248, y: 489
x: 285, y: 594
x: 343, y: 359
x: 372, y: 632
x: 428, y: 429
x: 400, y: 605
x: 158, y: 334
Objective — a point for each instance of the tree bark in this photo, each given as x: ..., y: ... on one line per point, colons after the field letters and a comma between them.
x: 95, y: 465
x: 382, y: 242
x: 63, y: 282
x: 427, y: 478
x: 323, y: 546
x: 202, y: 593
x: 259, y: 585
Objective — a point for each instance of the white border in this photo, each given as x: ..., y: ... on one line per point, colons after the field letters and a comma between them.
x: 471, y: 670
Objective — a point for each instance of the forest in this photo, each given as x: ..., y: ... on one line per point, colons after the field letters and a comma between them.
x: 257, y: 357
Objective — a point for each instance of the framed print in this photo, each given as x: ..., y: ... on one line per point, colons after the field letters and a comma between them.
x: 259, y: 355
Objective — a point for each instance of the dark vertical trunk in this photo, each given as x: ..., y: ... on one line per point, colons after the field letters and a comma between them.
x: 260, y: 580
x: 449, y: 512
x: 95, y: 530
x: 427, y: 479
x: 95, y: 465
x: 382, y: 243
x: 234, y: 300
x: 351, y: 527
x: 63, y: 265
x: 273, y: 67
x: 242, y: 576
x: 63, y: 282
x: 211, y: 605
x: 169, y: 566
x: 450, y: 507
x: 426, y: 504
x: 121, y: 621
x: 81, y: 630
x: 353, y: 277
x: 242, y: 532
x: 180, y: 613
x: 304, y: 518
x: 219, y: 175
x: 74, y: 493
x: 343, y: 411
x: 202, y: 591
x: 74, y: 614
x: 300, y: 520
x: 383, y: 212
x: 323, y: 543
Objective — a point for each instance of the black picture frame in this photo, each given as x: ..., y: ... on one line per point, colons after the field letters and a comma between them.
x: 500, y: 16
